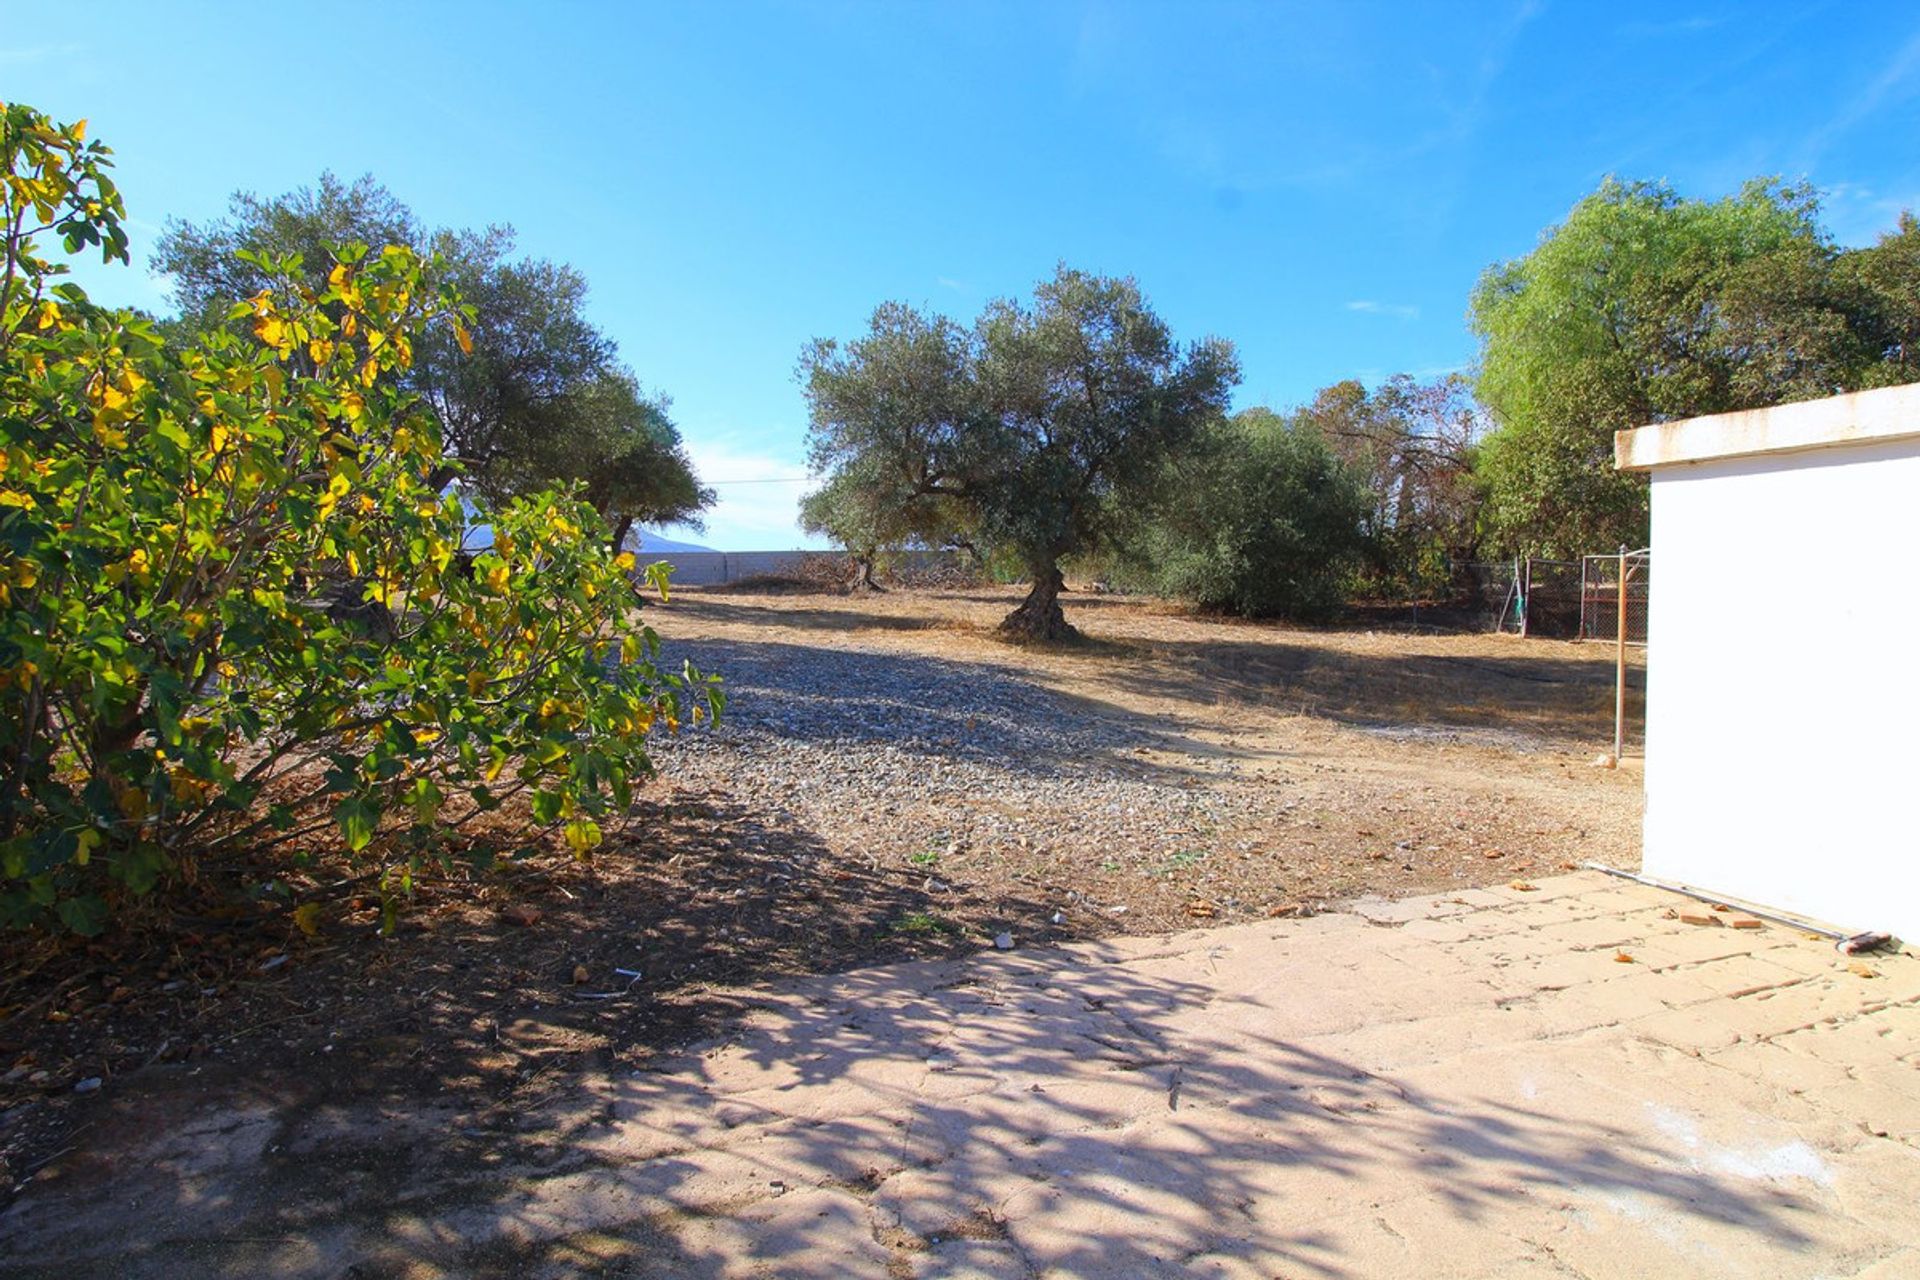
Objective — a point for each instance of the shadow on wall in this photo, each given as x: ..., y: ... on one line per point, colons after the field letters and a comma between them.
x: 924, y: 1118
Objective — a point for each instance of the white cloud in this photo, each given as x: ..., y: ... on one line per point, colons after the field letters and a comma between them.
x: 759, y: 495
x: 1894, y: 83
x: 1398, y: 310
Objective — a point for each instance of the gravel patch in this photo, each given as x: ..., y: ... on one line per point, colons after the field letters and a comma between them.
x: 920, y: 754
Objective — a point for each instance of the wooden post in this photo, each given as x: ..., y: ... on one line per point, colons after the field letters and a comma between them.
x: 1620, y: 670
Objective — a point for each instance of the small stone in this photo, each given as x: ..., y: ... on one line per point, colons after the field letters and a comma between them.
x: 1004, y: 941
x: 88, y: 1085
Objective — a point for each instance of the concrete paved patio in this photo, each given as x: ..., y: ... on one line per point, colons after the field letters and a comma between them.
x: 1567, y: 1081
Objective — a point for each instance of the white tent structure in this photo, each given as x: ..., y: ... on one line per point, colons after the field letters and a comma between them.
x: 1783, y: 662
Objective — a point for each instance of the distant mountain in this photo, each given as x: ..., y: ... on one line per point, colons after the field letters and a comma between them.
x: 653, y: 543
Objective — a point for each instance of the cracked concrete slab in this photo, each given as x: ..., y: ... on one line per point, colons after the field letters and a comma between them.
x: 1565, y: 1081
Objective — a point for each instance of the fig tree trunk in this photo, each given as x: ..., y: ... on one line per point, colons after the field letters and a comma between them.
x: 1039, y: 616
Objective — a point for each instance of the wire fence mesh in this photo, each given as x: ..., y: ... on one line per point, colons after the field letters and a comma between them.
x: 1600, y: 602
x: 1555, y: 599
x: 1550, y: 598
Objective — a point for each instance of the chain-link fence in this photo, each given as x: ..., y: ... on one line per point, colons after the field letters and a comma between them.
x: 1550, y: 598
x: 1600, y: 601
x: 1488, y: 596
x: 1554, y: 599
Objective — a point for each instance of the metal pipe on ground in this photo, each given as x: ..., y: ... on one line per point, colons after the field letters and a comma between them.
x: 1851, y: 943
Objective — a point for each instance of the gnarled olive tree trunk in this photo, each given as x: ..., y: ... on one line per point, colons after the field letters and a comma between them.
x: 1039, y: 616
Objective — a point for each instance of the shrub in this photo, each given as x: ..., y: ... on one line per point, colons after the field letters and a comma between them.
x: 1259, y: 519
x: 236, y: 616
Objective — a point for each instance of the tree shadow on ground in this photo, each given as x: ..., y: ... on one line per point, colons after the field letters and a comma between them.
x: 825, y: 617
x: 1544, y: 697
x: 914, y: 1120
x: 921, y: 705
x: 1549, y: 697
x: 463, y: 1009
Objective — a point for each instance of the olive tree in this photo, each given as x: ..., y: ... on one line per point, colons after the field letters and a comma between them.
x: 1033, y: 426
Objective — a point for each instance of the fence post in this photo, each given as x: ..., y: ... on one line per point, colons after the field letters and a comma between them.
x: 1620, y: 668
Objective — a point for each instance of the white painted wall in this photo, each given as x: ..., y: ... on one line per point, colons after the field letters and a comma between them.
x: 1783, y: 681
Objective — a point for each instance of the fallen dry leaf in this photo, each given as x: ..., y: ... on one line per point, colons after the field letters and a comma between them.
x: 1522, y: 886
x: 1621, y: 957
x: 579, y: 974
x: 519, y: 913
x: 1864, y: 970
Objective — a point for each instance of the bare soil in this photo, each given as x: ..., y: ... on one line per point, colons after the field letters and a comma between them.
x: 893, y: 780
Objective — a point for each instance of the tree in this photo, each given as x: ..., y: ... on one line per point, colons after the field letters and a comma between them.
x: 1885, y: 278
x: 857, y: 511
x: 868, y: 512
x: 175, y: 699
x: 1035, y: 425
x: 1410, y: 444
x: 1645, y: 307
x: 533, y: 394
x: 622, y: 449
x: 1259, y: 517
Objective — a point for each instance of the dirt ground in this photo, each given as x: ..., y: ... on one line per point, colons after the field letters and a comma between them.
x: 1172, y: 771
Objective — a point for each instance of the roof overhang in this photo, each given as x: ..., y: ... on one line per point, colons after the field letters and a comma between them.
x: 1862, y: 417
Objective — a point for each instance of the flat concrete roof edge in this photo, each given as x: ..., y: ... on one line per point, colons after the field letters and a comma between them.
x: 1860, y: 417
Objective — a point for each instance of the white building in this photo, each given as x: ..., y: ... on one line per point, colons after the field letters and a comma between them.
x: 1783, y: 664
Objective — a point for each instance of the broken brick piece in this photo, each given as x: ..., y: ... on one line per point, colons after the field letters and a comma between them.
x: 1698, y: 917
x: 1744, y: 922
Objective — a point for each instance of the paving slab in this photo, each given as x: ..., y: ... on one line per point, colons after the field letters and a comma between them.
x: 1465, y: 1085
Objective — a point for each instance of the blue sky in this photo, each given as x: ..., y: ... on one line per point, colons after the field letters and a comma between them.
x: 1321, y: 184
